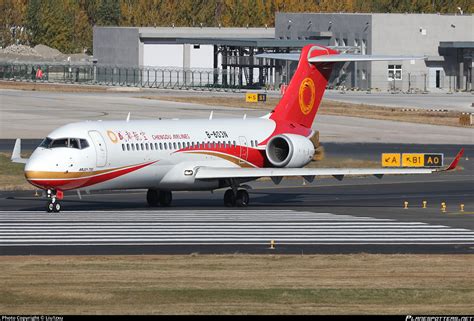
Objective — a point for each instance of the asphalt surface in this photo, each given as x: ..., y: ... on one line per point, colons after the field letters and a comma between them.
x: 34, y: 114
x: 360, y: 214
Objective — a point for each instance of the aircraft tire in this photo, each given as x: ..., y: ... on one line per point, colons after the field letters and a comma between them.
x: 166, y: 197
x: 56, y: 207
x: 49, y: 207
x: 152, y: 197
x: 242, y: 198
x: 229, y: 198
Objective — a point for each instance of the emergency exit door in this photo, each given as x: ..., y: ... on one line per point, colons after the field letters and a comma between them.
x: 243, y: 149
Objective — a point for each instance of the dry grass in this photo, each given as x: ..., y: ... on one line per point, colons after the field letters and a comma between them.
x: 33, y: 86
x: 238, y: 284
x: 11, y: 175
x: 329, y: 107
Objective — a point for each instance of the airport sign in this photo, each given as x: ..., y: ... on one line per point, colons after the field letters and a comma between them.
x: 391, y: 160
x: 254, y: 97
x: 413, y: 160
x: 422, y: 160
x: 433, y: 160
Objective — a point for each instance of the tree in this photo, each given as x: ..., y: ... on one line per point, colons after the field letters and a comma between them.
x: 13, y: 22
x: 108, y: 13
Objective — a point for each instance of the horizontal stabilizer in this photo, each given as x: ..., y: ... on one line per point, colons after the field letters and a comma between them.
x: 347, y: 57
x: 339, y: 57
x: 280, y: 56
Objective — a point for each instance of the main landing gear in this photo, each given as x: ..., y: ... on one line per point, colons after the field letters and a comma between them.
x: 239, y: 198
x: 155, y: 197
x: 53, y: 204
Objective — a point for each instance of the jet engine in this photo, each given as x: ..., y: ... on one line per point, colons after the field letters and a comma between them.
x: 289, y: 150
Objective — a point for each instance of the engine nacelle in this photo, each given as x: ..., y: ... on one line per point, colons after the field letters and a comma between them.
x: 289, y: 150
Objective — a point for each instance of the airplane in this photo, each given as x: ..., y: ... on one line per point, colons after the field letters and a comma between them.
x: 163, y: 156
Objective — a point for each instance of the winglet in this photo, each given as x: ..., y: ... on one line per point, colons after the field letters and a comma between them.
x: 16, y: 154
x: 455, y: 162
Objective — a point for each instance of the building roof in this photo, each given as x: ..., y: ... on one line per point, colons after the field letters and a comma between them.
x: 205, y: 32
x: 249, y: 42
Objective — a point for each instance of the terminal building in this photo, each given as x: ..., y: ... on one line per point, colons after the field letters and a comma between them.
x: 210, y: 56
x: 446, y: 40
x: 226, y: 56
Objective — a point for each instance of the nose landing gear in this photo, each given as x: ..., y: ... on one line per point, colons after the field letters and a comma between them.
x: 53, y: 204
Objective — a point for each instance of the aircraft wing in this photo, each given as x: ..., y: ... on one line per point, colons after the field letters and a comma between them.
x: 310, y: 173
x: 16, y: 154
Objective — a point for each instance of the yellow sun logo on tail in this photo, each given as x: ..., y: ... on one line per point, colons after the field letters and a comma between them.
x: 307, y: 95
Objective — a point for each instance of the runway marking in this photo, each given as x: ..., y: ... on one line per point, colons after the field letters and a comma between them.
x: 217, y: 227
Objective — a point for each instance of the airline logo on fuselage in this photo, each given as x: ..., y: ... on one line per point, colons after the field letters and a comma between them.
x: 112, y: 136
x: 307, y: 95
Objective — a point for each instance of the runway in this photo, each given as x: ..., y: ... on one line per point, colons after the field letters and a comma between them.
x: 350, y: 217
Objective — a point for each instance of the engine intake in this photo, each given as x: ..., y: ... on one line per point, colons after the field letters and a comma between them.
x: 289, y: 150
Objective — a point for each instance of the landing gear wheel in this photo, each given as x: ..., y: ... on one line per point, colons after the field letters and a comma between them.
x: 53, y: 207
x: 49, y: 207
x: 152, y: 197
x: 57, y: 207
x: 165, y: 198
x: 243, y: 198
x: 229, y: 198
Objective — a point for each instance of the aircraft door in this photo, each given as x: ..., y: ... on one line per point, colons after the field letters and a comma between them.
x: 100, y: 148
x: 243, y: 149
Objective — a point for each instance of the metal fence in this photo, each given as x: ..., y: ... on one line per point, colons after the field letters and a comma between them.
x: 168, y: 78
x: 203, y: 79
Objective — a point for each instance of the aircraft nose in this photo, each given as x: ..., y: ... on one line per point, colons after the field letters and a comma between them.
x: 32, y: 169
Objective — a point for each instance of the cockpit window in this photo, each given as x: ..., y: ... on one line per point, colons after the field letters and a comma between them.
x: 74, y: 143
x: 84, y: 144
x: 64, y: 142
x: 46, y: 142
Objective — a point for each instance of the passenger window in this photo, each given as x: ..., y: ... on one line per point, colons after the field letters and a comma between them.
x: 151, y: 146
x: 84, y: 143
x: 123, y: 147
x: 161, y: 146
x: 133, y: 147
x: 235, y: 145
x: 156, y: 146
x: 137, y: 145
x: 165, y: 146
x: 146, y: 146
x: 179, y: 145
x: 142, y: 147
x: 128, y: 147
x: 251, y: 143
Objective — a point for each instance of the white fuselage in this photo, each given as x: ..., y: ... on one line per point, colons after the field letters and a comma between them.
x: 161, y: 154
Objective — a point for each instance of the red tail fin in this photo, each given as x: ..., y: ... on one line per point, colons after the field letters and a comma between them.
x: 301, y: 100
